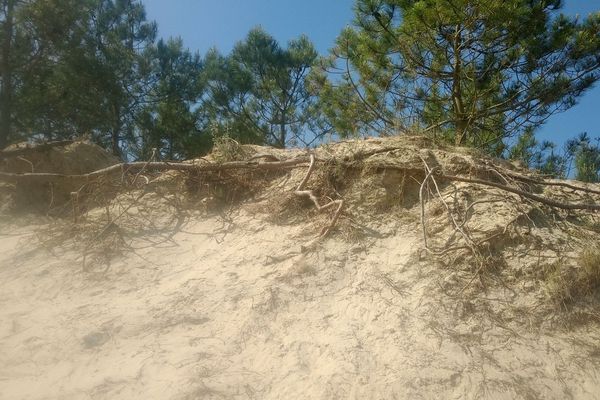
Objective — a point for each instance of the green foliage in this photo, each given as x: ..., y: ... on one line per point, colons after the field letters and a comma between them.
x: 120, y: 37
x: 544, y: 156
x: 587, y: 158
x: 35, y: 36
x: 258, y: 93
x: 93, y: 68
x: 74, y: 67
x: 468, y: 71
x: 170, y: 121
x: 475, y: 71
x: 541, y: 156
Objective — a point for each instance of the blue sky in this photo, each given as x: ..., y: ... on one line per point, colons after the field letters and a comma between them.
x: 203, y: 24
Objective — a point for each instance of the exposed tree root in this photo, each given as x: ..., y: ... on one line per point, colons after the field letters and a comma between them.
x: 264, y: 162
x: 310, y: 194
x: 540, y: 199
x: 154, y: 167
x: 458, y: 228
x: 135, y: 167
x: 543, y: 182
x: 110, y: 225
x: 476, y: 247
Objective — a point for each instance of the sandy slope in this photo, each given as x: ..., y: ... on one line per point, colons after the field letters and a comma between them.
x: 226, y: 315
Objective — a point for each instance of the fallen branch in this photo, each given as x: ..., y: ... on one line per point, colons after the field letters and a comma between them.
x: 155, y: 167
x: 529, y: 195
x: 526, y: 179
x: 134, y: 167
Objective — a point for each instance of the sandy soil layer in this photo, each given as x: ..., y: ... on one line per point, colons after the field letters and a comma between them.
x: 231, y: 310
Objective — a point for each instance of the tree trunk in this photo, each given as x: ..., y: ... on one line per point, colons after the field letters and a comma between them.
x: 458, y: 107
x: 282, y: 133
x: 115, y: 131
x: 114, y: 142
x: 171, y: 140
x: 114, y: 138
x: 6, y: 74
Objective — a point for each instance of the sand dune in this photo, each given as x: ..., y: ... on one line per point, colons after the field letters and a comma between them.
x: 229, y: 305
x: 230, y: 316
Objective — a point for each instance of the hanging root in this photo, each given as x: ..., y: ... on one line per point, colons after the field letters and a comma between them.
x: 384, y: 158
x: 310, y: 194
x: 512, y: 183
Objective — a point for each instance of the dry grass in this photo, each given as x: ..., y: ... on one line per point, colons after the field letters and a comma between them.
x: 567, y: 283
x: 226, y: 149
x: 589, y: 271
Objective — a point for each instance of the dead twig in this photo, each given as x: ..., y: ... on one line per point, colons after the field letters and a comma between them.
x: 109, y: 226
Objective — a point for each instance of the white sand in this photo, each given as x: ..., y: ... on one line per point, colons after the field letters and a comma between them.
x: 212, y: 316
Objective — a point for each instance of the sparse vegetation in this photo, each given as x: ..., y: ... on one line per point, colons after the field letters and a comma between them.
x: 569, y: 282
x: 589, y: 269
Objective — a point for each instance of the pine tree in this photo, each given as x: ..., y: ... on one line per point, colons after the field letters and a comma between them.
x: 586, y: 156
x: 73, y: 67
x: 35, y: 34
x: 119, y: 38
x: 473, y: 71
x: 6, y: 70
x: 259, y: 92
x: 542, y: 156
x: 172, y: 122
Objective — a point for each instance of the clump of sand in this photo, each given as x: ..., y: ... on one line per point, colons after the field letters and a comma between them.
x: 75, y: 158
